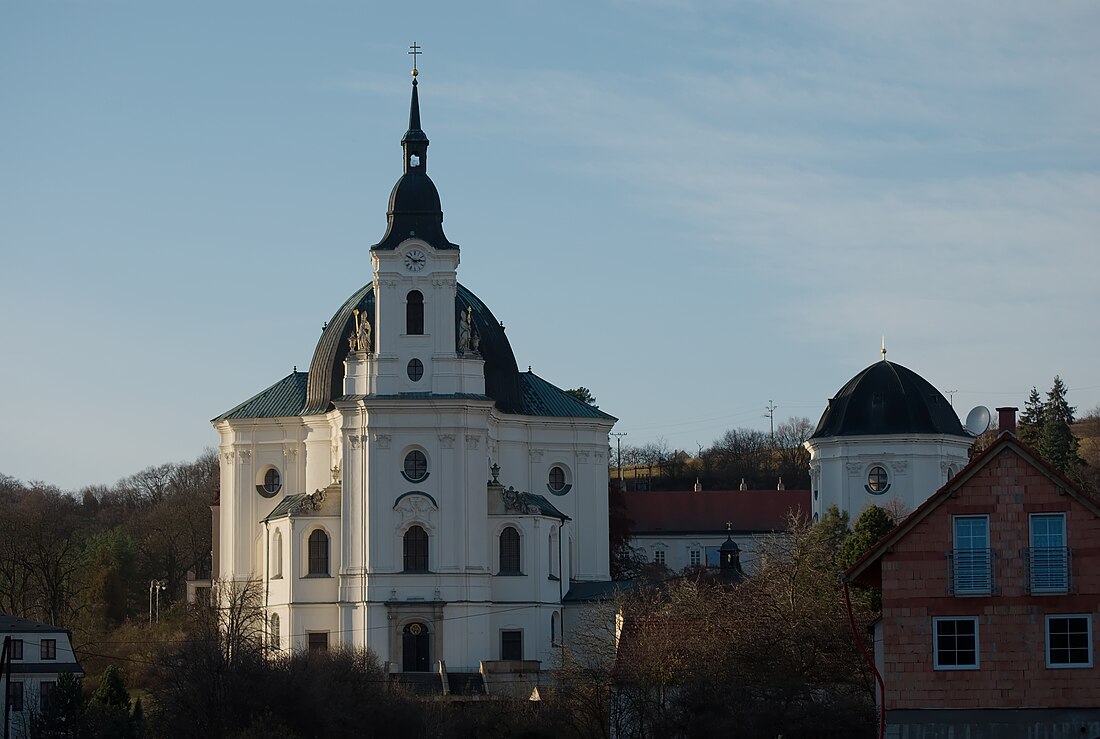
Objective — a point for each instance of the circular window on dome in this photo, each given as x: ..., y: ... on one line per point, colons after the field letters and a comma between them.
x: 271, y: 484
x: 878, y: 481
x: 415, y: 370
x: 416, y: 466
x: 557, y: 482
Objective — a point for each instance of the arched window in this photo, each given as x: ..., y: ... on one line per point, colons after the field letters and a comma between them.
x: 509, y: 551
x: 275, y: 631
x: 414, y: 313
x: 277, y: 554
x: 416, y: 550
x: 318, y: 553
x: 552, y: 554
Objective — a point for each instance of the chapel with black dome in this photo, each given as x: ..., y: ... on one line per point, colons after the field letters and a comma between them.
x: 887, y: 434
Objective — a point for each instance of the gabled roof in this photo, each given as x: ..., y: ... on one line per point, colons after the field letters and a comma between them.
x: 15, y: 623
x: 540, y: 398
x: 867, y: 569
x: 706, y: 512
x: 285, y: 398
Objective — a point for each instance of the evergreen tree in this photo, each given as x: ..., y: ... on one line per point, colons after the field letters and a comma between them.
x: 1056, y: 440
x: 833, y: 529
x: 870, y: 526
x: 1030, y: 427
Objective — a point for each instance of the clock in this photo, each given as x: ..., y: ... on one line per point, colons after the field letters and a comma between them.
x: 415, y: 260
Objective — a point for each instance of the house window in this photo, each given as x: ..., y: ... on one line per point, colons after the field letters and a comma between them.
x: 277, y: 554
x: 696, y: 557
x: 416, y: 466
x: 956, y: 643
x: 275, y: 631
x: 317, y: 641
x: 511, y: 644
x: 509, y: 551
x: 15, y: 647
x: 318, y: 553
x: 1048, y: 557
x: 45, y: 694
x: 15, y: 695
x: 414, y: 313
x: 659, y: 556
x: 1069, y: 641
x: 416, y: 550
x: 49, y: 649
x: 972, y: 564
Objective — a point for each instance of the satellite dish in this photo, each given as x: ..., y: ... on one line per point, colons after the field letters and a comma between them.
x: 977, y: 420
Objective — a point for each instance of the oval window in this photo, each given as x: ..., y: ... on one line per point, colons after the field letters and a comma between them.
x: 877, y: 480
x: 416, y: 466
x: 556, y: 479
x: 415, y: 370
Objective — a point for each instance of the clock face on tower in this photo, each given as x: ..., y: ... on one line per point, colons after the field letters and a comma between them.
x: 415, y: 260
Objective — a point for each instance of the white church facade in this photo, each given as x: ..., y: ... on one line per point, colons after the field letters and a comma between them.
x: 414, y: 493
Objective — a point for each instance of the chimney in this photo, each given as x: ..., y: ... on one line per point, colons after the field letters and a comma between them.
x: 1006, y: 420
x: 743, y: 486
x: 698, y: 485
x: 780, y: 486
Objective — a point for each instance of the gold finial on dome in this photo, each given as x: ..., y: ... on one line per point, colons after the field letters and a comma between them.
x: 414, y: 50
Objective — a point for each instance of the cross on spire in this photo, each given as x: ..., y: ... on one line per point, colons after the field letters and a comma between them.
x: 414, y: 50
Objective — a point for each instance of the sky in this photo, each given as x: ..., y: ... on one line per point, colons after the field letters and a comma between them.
x: 691, y: 208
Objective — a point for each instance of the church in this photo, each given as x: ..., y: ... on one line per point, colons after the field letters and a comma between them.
x: 414, y: 493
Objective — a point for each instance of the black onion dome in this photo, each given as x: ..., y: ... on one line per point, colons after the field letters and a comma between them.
x: 887, y: 398
x: 326, y: 371
x: 415, y: 210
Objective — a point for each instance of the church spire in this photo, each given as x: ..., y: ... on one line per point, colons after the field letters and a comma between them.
x: 414, y: 210
x: 415, y: 141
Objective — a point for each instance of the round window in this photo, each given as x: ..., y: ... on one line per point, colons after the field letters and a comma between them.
x: 271, y: 484
x: 877, y: 480
x: 415, y: 370
x: 556, y: 481
x: 416, y: 466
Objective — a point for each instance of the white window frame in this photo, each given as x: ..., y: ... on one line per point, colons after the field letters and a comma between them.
x: 695, y: 557
x: 1069, y: 665
x: 936, y: 620
x: 961, y: 561
x: 1049, y: 565
x: 660, y: 555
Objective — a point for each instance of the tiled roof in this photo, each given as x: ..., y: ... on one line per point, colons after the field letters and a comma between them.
x: 286, y: 397
x: 748, y: 511
x: 540, y: 398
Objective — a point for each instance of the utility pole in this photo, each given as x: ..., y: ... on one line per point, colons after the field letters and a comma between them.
x: 770, y: 415
x: 619, y: 462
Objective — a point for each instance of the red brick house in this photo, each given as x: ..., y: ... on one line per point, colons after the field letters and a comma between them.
x: 991, y: 603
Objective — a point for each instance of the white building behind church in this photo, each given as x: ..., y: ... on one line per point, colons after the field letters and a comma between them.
x: 414, y: 492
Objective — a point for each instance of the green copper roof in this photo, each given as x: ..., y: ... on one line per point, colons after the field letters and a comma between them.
x: 545, y: 507
x: 284, y: 506
x: 286, y: 397
x: 540, y: 398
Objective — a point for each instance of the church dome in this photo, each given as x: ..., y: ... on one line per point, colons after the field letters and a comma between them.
x: 326, y: 371
x: 887, y: 398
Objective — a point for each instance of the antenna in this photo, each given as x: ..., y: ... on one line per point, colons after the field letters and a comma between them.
x: 977, y: 420
x: 951, y: 394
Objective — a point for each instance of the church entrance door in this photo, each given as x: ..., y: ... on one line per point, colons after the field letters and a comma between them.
x: 416, y: 648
